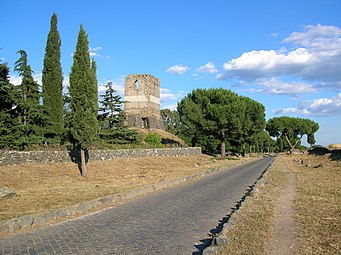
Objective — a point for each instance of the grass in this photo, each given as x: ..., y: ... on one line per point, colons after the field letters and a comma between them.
x: 41, y: 187
x: 317, y: 208
x: 318, y: 205
x: 251, y: 226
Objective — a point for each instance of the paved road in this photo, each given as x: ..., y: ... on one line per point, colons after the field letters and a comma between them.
x: 174, y: 221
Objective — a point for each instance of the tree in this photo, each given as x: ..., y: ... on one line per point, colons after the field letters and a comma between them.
x: 31, y: 115
x: 8, y: 116
x: 83, y: 92
x: 253, y: 121
x: 52, y: 84
x: 111, y: 120
x: 171, y: 121
x: 292, y: 129
x: 218, y: 113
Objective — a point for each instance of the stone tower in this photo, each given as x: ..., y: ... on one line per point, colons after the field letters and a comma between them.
x: 142, y: 101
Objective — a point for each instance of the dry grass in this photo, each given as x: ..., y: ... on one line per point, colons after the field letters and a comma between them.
x: 318, y: 204
x: 41, y: 187
x: 317, y: 208
x: 251, y: 226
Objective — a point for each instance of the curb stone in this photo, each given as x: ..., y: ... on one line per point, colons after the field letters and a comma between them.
x: 31, y: 220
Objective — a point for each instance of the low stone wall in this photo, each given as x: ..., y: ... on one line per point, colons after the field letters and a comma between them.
x: 22, y: 157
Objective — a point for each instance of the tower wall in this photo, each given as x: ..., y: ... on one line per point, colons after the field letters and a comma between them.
x: 142, y: 101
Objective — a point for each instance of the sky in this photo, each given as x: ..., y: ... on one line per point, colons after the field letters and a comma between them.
x: 284, y: 54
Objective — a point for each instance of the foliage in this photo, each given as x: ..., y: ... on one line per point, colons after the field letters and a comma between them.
x: 209, y: 115
x: 8, y: 114
x: 292, y: 129
x: 52, y: 87
x: 112, y: 116
x: 171, y: 121
x: 154, y: 139
x: 111, y: 119
x: 83, y: 91
x: 30, y: 128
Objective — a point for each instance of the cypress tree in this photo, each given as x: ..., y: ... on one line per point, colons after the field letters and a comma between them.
x: 83, y: 90
x: 52, y: 84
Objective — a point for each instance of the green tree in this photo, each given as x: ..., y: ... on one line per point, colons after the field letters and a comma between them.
x: 52, y: 85
x: 83, y: 92
x: 111, y: 119
x: 253, y: 121
x: 171, y: 121
x: 215, y: 112
x: 291, y: 129
x: 31, y: 114
x: 8, y: 114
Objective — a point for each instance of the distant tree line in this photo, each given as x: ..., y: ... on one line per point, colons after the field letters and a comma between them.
x: 218, y: 120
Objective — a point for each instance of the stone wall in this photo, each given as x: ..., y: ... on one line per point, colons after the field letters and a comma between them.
x: 20, y: 157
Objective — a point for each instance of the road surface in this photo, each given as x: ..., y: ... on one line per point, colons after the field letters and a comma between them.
x: 173, y: 221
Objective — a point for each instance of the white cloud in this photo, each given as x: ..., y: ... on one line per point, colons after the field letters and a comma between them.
x: 317, y: 107
x: 93, y: 52
x: 167, y: 95
x: 15, y: 80
x: 316, y: 56
x: 172, y: 107
x: 277, y: 87
x: 177, y: 69
x: 207, y: 68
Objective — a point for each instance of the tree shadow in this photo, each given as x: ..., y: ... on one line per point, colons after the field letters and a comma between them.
x: 335, y: 154
x: 75, y: 156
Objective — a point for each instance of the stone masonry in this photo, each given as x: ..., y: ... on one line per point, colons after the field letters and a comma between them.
x: 142, y: 101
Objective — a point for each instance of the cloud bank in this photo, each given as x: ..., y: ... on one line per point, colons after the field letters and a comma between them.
x: 309, y: 63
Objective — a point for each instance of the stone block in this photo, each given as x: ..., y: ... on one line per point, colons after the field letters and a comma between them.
x: 6, y: 193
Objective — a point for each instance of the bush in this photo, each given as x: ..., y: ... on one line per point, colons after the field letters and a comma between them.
x: 154, y: 139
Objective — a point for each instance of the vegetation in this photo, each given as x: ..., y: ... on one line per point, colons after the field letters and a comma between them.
x: 212, y: 115
x: 292, y: 130
x: 218, y: 120
x: 52, y: 85
x: 29, y: 128
x: 112, y: 128
x: 83, y: 91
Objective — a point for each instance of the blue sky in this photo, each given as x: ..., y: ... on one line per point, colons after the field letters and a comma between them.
x: 284, y: 54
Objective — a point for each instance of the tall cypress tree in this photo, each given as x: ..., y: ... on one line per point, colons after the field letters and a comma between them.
x: 83, y: 92
x: 52, y: 84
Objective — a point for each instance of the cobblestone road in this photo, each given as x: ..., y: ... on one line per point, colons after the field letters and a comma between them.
x: 172, y: 221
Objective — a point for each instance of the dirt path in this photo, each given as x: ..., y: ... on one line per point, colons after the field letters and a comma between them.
x: 285, y: 232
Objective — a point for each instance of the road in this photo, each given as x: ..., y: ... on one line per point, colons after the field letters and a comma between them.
x: 173, y: 221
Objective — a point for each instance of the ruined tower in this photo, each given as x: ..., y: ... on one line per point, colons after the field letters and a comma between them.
x: 142, y: 101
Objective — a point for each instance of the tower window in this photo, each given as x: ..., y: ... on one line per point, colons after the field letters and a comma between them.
x: 137, y: 84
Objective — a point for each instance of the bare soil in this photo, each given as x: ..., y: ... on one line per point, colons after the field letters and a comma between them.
x: 41, y: 187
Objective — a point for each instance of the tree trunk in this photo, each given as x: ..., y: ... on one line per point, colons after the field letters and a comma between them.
x: 222, y: 145
x: 83, y: 164
x: 222, y: 149
x: 243, y: 150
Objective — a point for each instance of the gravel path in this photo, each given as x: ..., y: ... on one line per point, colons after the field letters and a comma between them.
x: 174, y: 221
